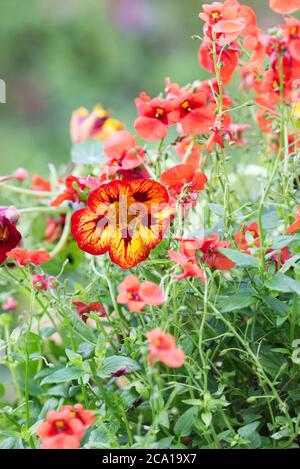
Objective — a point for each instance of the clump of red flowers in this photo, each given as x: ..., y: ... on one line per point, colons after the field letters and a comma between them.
x: 65, y: 428
x: 162, y: 347
x: 137, y: 295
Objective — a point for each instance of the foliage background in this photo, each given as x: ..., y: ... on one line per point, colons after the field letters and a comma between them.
x: 56, y: 56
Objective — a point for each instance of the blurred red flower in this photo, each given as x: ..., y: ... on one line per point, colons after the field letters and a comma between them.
x: 23, y: 256
x: 163, y: 348
x: 82, y: 309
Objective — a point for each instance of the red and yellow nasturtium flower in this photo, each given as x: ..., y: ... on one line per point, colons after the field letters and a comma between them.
x: 124, y: 218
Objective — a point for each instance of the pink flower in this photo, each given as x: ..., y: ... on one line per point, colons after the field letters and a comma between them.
x: 41, y: 282
x: 136, y: 294
x: 21, y: 174
x: 10, y: 304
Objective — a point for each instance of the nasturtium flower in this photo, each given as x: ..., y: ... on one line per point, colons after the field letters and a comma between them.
x: 9, y: 235
x: 162, y: 347
x: 97, y: 125
x: 124, y: 218
x: 136, y: 294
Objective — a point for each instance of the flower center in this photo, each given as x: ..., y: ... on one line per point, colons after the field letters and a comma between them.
x: 159, y: 112
x: 133, y: 296
x: 60, y: 425
x: 4, y: 233
x: 215, y: 16
x: 186, y: 105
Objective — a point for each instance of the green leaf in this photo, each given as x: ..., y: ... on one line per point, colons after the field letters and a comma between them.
x: 116, y: 362
x: 241, y: 259
x: 283, y: 283
x: 63, y: 375
x: 276, y: 305
x: 206, y: 417
x: 282, y: 241
x: 185, y: 423
x: 239, y: 301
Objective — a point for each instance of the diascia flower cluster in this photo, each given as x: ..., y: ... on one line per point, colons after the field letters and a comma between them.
x: 163, y: 282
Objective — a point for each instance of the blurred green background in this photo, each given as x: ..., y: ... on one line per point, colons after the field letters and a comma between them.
x: 57, y: 55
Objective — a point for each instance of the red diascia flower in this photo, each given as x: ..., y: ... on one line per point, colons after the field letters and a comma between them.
x: 210, y: 247
x: 42, y: 282
x: 77, y: 411
x: 189, y: 152
x: 220, y: 132
x: 236, y: 133
x: 291, y: 33
x: 125, y: 218
x: 136, y: 294
x: 285, y: 6
x: 77, y: 189
x: 247, y: 237
x: 40, y: 184
x: 226, y: 21
x: 296, y: 225
x: 9, y: 235
x: 10, y: 304
x: 192, y: 110
x: 186, y: 258
x: 122, y: 152
x: 181, y: 174
x: 229, y: 57
x: 82, y: 309
x: 155, y: 117
x: 97, y: 125
x: 65, y: 428
x: 23, y: 256
x: 163, y: 348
